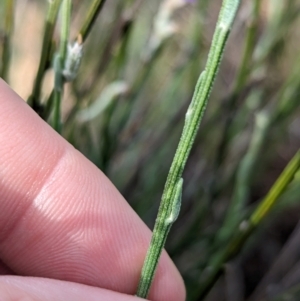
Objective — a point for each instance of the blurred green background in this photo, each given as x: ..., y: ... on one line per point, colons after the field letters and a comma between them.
x: 125, y: 112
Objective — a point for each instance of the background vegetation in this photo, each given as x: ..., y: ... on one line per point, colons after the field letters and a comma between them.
x: 125, y: 111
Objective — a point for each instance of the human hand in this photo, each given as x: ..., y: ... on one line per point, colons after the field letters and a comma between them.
x: 63, y: 224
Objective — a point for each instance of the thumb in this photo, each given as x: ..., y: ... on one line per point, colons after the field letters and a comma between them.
x: 43, y: 289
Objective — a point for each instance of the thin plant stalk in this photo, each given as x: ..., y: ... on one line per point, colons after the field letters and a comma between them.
x: 34, y: 99
x: 192, y: 123
x: 60, y: 62
x: 277, y: 189
x: 118, y: 39
x: 92, y: 15
x: 246, y: 228
x: 9, y: 21
x: 74, y: 55
x: 104, y: 61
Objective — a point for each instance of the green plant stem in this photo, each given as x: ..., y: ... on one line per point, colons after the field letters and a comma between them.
x: 277, y: 189
x: 59, y: 63
x: 81, y: 37
x: 119, y: 36
x: 34, y: 99
x: 192, y: 122
x: 9, y: 18
x: 92, y: 15
x: 160, y: 239
x: 215, y: 267
x: 65, y: 28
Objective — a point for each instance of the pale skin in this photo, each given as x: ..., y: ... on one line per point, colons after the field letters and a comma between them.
x: 63, y: 224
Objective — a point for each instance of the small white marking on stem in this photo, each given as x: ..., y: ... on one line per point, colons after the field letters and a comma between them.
x: 176, y: 204
x: 223, y: 26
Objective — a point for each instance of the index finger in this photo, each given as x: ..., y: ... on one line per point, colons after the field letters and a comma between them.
x: 62, y: 218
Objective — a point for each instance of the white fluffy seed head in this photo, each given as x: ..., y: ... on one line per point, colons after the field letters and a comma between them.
x: 73, y: 61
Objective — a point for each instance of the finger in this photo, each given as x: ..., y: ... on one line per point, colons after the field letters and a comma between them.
x: 42, y: 289
x: 61, y: 217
